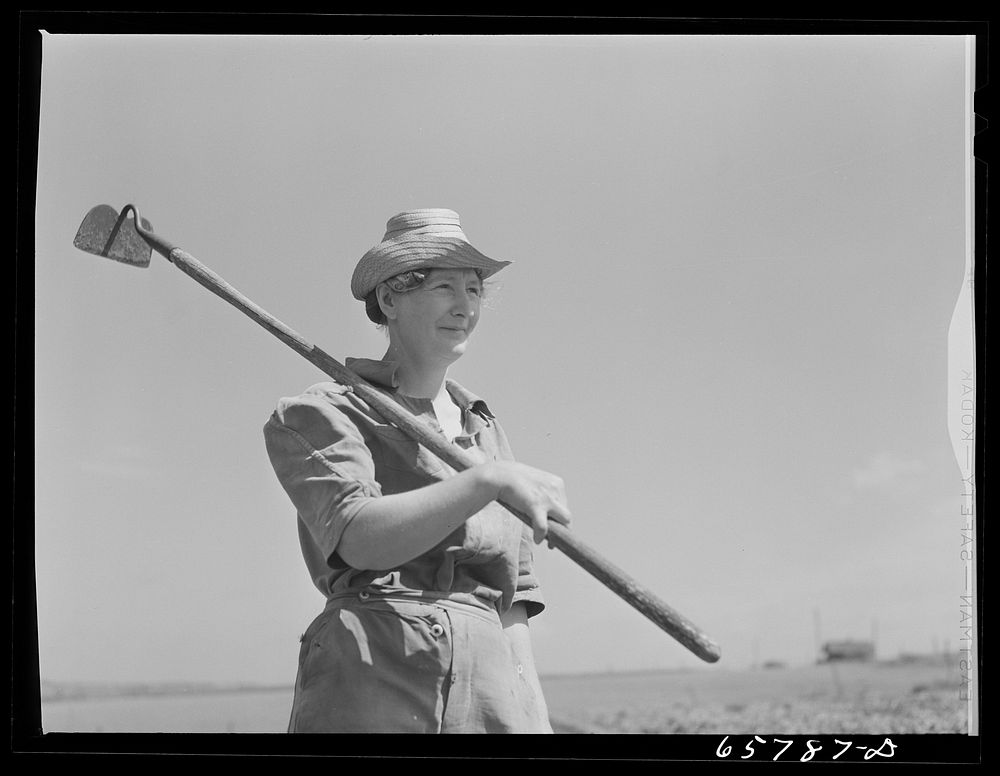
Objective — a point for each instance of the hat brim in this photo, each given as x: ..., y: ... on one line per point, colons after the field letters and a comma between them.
x: 391, y: 257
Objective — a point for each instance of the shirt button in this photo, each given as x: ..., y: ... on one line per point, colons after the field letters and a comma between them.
x: 436, y: 630
x: 364, y: 595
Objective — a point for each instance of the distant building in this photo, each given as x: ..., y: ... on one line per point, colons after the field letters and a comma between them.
x: 847, y: 649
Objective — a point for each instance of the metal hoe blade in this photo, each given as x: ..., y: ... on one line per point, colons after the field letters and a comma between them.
x: 104, y: 233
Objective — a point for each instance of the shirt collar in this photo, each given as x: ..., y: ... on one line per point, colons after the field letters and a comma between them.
x: 383, y: 374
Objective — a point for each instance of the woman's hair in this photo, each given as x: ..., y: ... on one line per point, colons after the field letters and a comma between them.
x: 401, y: 283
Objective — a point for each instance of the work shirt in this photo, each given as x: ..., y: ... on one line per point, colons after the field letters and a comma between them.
x: 333, y: 454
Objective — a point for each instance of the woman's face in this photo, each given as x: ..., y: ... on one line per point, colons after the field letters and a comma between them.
x: 433, y: 322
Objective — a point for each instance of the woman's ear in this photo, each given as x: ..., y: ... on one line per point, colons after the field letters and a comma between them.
x: 386, y: 301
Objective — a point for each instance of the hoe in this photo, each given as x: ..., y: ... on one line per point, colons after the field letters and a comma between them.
x: 132, y: 241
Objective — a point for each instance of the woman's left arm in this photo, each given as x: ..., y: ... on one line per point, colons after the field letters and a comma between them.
x: 515, y: 627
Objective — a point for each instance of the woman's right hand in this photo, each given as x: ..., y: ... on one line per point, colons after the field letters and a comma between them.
x: 538, y: 494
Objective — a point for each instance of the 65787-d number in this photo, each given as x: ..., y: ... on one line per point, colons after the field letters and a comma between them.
x: 812, y: 745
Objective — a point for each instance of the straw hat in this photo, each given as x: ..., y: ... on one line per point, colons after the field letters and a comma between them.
x: 416, y: 239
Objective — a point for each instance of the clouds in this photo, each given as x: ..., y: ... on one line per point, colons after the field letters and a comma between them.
x: 121, y: 462
x: 887, y: 472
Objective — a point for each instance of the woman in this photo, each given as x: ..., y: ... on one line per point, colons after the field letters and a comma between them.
x: 429, y: 581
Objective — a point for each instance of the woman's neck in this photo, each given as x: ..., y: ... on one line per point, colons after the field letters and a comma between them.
x: 417, y: 380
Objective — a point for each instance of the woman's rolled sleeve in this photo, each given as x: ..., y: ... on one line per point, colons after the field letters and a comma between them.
x: 322, y: 462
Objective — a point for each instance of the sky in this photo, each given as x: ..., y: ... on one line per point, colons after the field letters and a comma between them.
x: 736, y: 261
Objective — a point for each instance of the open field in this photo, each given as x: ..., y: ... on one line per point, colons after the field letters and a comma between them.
x: 832, y: 698
x: 920, y: 697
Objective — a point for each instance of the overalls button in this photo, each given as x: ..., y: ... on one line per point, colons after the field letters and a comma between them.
x: 436, y: 630
x: 364, y: 595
